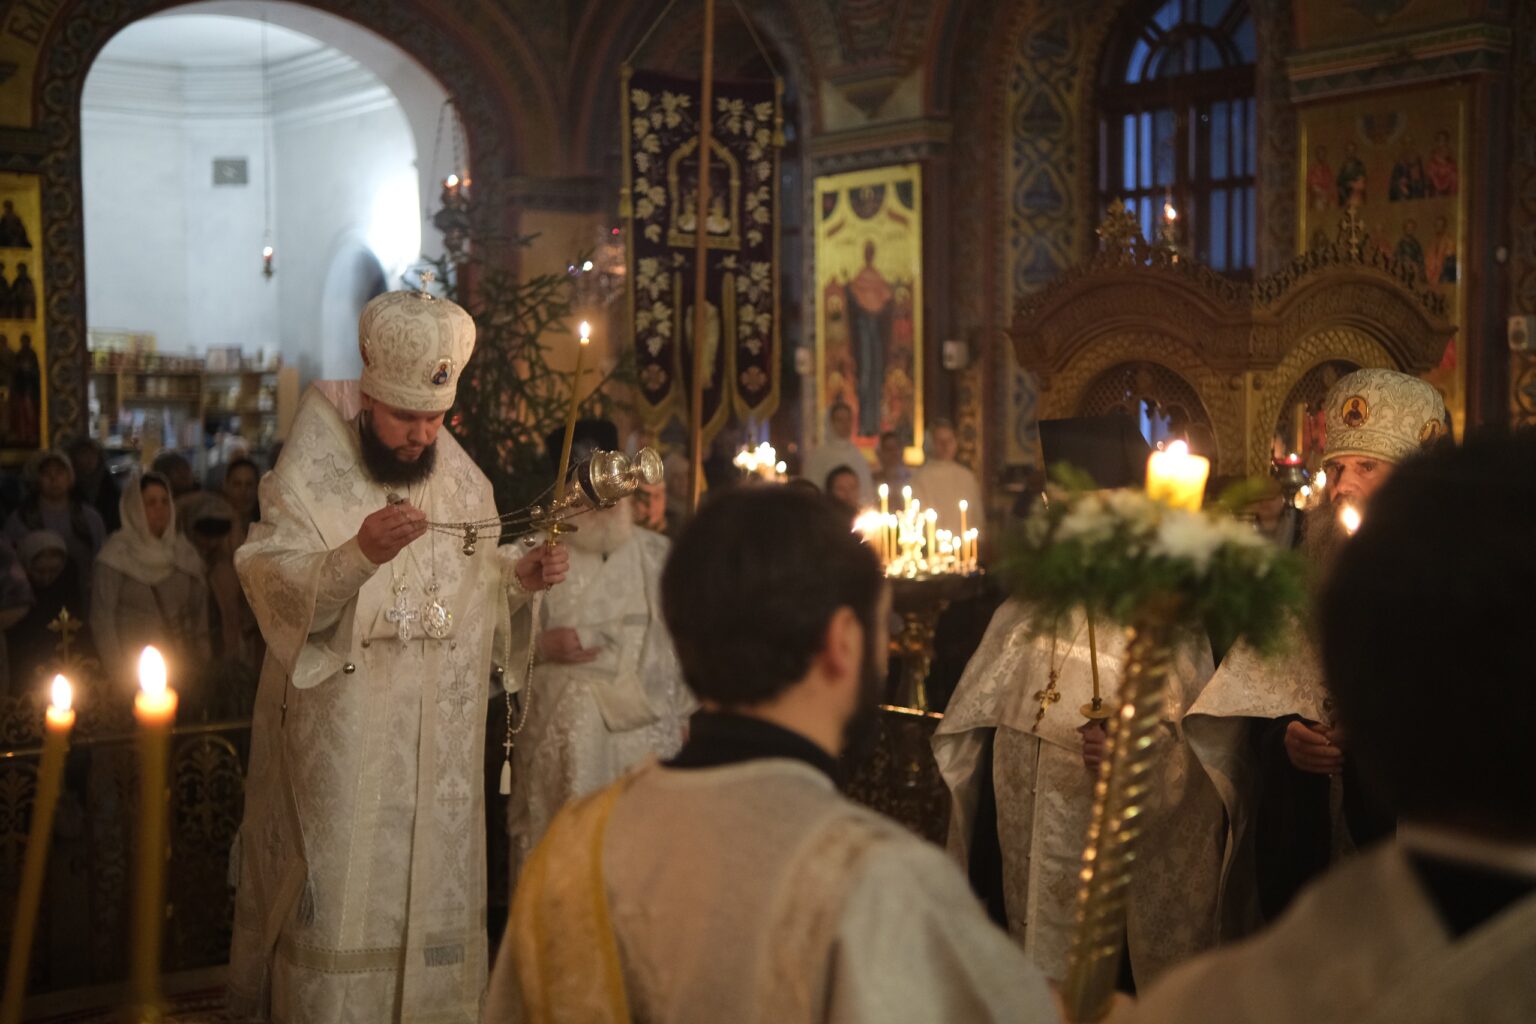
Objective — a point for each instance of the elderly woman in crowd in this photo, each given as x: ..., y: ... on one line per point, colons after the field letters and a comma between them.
x: 150, y: 585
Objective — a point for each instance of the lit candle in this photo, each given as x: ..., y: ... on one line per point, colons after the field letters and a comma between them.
x: 50, y: 774
x: 1350, y: 519
x: 906, y: 497
x: 1177, y: 478
x: 155, y: 709
x: 570, y: 419
x: 964, y: 508
x: 885, y: 500
x: 932, y: 550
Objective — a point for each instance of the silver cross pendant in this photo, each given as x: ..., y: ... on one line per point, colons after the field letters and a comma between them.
x: 402, y: 615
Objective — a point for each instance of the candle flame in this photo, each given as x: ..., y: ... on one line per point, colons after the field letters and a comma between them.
x: 1177, y: 448
x: 586, y: 332
x: 1170, y: 212
x: 906, y: 493
x: 1349, y: 518
x: 452, y: 181
x: 781, y: 467
x: 931, y: 516
x: 964, y: 505
x: 63, y: 694
x: 885, y: 491
x: 151, y: 672
x: 266, y: 252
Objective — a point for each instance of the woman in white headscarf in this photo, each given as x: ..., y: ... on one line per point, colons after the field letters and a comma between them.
x: 149, y: 586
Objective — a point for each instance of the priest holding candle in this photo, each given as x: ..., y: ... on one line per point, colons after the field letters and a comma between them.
x: 360, y: 863
x: 1020, y: 747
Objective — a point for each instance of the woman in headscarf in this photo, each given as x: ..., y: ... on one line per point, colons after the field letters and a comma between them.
x: 51, y: 505
x: 149, y: 585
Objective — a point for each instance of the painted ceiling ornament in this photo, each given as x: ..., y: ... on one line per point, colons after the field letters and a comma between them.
x: 1382, y: 414
x: 414, y: 347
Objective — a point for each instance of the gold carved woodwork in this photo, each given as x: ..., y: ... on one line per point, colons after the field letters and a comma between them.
x: 1240, y: 347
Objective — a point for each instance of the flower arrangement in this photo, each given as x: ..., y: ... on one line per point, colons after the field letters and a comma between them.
x: 1119, y: 552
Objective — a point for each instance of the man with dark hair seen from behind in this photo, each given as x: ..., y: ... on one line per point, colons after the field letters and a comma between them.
x: 1438, y: 924
x: 734, y: 883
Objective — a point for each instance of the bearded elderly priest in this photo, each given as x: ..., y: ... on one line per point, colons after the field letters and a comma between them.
x: 1295, y: 805
x: 360, y: 863
x: 607, y: 688
x: 1017, y: 752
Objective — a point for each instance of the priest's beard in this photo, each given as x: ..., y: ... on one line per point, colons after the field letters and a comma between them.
x: 1323, y: 537
x: 603, y: 532
x: 388, y: 468
x: 860, y: 730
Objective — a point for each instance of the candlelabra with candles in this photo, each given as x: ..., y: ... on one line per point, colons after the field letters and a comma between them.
x: 910, y: 544
x: 762, y: 462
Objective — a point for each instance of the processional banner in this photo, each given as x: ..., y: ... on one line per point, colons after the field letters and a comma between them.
x: 869, y: 301
x: 659, y: 202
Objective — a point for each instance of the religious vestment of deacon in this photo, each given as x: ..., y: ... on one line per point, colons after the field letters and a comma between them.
x: 1405, y: 933
x: 590, y: 722
x: 736, y: 884
x: 1044, y: 793
x: 361, y: 859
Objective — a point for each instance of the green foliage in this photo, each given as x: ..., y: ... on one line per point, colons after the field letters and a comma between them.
x: 1119, y: 553
x: 510, y: 398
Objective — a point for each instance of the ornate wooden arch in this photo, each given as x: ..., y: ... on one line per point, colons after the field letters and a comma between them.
x: 1241, y: 348
x: 491, y: 73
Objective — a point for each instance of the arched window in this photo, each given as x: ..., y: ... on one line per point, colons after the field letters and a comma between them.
x: 1177, y: 124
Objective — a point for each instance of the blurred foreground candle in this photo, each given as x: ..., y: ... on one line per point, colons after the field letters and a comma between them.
x: 155, y: 709
x: 50, y: 773
x: 1177, y: 478
x: 1350, y: 519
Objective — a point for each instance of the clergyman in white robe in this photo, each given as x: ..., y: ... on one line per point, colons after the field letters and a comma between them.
x: 1044, y: 792
x: 361, y: 862
x: 591, y: 721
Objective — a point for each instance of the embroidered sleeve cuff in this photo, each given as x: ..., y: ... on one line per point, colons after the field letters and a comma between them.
x: 343, y: 574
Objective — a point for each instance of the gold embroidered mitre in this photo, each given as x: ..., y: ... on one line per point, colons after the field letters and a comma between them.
x: 414, y: 347
x: 1382, y: 414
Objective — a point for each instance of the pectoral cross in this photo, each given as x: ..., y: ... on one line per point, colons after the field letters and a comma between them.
x: 401, y: 615
x: 1048, y: 696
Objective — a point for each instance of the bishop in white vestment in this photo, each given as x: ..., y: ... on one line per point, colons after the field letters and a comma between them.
x: 1029, y: 690
x: 360, y: 862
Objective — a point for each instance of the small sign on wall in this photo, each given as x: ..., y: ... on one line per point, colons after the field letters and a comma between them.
x: 231, y: 170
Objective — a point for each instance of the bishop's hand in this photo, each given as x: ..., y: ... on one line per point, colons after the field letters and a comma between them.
x: 543, y: 567
x: 385, y: 533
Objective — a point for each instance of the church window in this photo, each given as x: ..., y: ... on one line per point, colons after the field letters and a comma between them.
x: 1176, y: 128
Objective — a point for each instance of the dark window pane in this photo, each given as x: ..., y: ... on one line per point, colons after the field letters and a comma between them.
x: 1165, y: 141
x: 1138, y: 62
x: 1218, y: 232
x: 1145, y: 149
x: 1129, y: 157
x: 1212, y: 11
x: 1243, y: 39
x: 1249, y: 249
x: 1219, y: 114
x: 1168, y: 15
x: 1210, y: 57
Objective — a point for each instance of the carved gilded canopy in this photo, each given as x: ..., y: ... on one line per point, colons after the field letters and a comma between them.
x: 1231, y: 359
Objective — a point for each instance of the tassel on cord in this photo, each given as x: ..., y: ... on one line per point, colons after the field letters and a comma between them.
x: 506, y: 777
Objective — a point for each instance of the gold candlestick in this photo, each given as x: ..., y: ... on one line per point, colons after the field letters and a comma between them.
x: 1094, y: 709
x: 50, y: 773
x: 155, y: 709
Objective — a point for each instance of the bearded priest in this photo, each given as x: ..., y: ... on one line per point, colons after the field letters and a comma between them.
x: 360, y: 862
x: 607, y: 688
x: 1295, y: 806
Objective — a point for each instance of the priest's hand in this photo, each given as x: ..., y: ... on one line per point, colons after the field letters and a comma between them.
x: 385, y: 533
x: 1094, y: 739
x: 562, y: 646
x: 1311, y: 748
x: 543, y: 567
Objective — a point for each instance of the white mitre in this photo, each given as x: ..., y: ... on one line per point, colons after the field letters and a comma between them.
x: 414, y: 347
x: 1382, y: 414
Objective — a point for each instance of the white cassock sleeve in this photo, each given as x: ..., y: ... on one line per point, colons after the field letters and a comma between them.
x: 915, y: 947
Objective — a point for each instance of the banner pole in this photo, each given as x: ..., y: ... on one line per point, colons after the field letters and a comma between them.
x: 700, y: 309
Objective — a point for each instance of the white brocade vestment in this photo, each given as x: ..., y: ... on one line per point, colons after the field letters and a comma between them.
x: 1045, y: 794
x: 1364, y: 944
x: 589, y: 723
x: 360, y: 863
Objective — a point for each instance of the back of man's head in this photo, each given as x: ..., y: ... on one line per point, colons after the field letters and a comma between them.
x: 753, y: 583
x: 1426, y: 623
